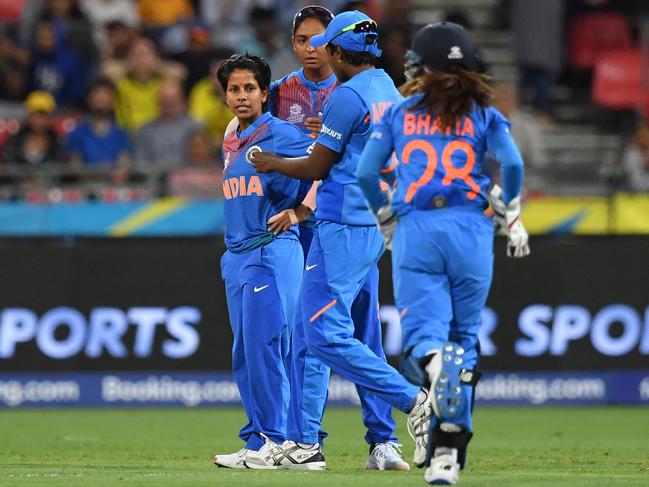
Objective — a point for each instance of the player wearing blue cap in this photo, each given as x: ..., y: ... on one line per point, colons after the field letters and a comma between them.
x: 262, y: 271
x: 442, y: 247
x: 339, y: 295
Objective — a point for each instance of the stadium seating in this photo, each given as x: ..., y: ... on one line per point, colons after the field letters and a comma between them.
x: 592, y: 35
x: 10, y: 10
x: 617, y: 81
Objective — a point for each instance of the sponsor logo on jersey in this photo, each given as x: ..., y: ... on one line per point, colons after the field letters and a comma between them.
x: 331, y: 133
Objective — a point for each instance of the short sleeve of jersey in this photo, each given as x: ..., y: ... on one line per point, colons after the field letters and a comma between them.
x: 344, y: 112
x: 290, y: 141
x: 497, y: 121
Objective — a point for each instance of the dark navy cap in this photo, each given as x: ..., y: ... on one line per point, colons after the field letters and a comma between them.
x: 440, y: 45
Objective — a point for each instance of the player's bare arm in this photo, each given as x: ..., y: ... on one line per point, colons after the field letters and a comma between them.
x: 315, y: 166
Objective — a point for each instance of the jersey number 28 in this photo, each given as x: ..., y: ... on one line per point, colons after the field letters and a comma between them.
x: 450, y: 171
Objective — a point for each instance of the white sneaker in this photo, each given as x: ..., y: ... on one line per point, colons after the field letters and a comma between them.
x: 262, y: 459
x: 386, y: 456
x: 296, y: 456
x: 443, y: 468
x: 233, y: 460
x: 288, y: 455
x: 418, y: 424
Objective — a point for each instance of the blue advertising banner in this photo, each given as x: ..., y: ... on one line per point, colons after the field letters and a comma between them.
x: 117, y: 315
x: 203, y: 389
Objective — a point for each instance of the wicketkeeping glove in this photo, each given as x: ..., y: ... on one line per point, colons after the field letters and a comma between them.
x: 387, y: 221
x: 508, y: 218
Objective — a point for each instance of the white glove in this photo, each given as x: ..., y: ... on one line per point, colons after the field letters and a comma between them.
x: 387, y: 221
x: 508, y: 217
x: 499, y: 208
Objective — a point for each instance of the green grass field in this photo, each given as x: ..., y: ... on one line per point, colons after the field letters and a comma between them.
x: 512, y: 447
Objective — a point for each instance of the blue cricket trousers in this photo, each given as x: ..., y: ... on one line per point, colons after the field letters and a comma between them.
x: 341, y: 328
x: 442, y: 267
x: 262, y: 288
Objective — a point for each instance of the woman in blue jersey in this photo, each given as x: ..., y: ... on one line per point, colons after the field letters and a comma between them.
x: 299, y: 98
x: 442, y: 245
x: 339, y: 295
x: 262, y: 271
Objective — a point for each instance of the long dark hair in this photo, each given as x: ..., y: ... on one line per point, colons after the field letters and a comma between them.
x: 449, y: 95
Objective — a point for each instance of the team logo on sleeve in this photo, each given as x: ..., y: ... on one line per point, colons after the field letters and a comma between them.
x: 252, y: 150
x: 456, y: 53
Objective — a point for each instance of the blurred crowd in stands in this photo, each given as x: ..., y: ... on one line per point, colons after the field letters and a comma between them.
x: 118, y: 99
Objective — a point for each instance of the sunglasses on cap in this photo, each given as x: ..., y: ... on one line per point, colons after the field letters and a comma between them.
x: 311, y: 11
x: 358, y: 28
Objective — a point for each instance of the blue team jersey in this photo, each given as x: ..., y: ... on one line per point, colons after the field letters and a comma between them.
x: 348, y: 119
x: 295, y: 98
x: 434, y: 163
x: 252, y: 198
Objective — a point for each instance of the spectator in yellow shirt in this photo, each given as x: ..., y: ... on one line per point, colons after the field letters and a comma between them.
x: 137, y: 102
x: 206, y: 105
x: 162, y: 13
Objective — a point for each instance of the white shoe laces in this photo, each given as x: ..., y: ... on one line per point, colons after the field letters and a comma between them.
x: 388, y: 449
x: 269, y: 447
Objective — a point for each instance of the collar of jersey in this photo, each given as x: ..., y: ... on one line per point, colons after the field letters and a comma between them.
x: 315, y: 85
x: 265, y: 117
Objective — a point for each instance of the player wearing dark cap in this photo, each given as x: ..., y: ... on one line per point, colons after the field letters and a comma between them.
x: 442, y: 243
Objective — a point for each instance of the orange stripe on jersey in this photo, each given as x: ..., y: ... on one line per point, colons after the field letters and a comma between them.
x: 322, y: 310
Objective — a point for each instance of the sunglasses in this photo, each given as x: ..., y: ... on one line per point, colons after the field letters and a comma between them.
x: 311, y: 11
x: 358, y: 28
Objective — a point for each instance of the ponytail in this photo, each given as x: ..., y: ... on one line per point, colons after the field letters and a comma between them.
x: 449, y: 95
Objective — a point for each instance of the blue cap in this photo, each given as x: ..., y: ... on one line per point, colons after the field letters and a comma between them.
x: 340, y: 32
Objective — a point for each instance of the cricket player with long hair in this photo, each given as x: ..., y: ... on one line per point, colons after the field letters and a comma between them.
x: 442, y: 243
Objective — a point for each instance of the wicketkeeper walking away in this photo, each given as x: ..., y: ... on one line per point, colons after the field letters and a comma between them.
x: 442, y: 243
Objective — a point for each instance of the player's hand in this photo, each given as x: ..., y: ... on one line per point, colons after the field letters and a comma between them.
x: 282, y: 221
x: 262, y: 161
x: 507, y: 218
x: 286, y: 218
x: 314, y: 124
